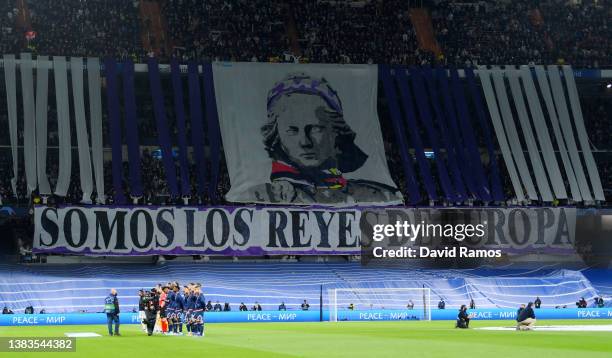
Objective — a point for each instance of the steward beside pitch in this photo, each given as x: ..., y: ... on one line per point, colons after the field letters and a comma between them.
x: 111, y: 308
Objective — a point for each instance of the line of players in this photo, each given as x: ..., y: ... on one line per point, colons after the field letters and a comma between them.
x: 173, y: 307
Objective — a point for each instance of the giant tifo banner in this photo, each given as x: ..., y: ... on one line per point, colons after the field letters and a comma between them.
x: 302, y: 134
x: 254, y: 231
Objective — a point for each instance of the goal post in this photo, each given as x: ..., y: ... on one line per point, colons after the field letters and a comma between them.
x: 379, y: 304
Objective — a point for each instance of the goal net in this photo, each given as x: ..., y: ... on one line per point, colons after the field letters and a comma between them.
x: 379, y: 304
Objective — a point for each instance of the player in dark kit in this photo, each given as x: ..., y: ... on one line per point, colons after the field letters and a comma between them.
x: 188, y: 309
x: 170, y: 307
x: 198, y: 312
x: 177, y: 302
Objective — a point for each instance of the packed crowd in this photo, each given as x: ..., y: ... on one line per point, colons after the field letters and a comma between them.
x: 596, y: 112
x: 488, y: 33
x: 469, y: 32
x: 86, y: 28
x: 520, y: 32
x: 345, y: 32
x: 9, y: 36
x: 243, y: 30
x: 581, y: 34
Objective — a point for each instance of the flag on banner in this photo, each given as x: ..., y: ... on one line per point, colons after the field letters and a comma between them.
x: 302, y: 134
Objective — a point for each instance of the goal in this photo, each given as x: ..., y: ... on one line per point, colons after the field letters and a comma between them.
x: 379, y: 304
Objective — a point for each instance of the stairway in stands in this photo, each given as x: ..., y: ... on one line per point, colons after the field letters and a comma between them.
x: 423, y: 27
x: 153, y: 28
x: 291, y: 29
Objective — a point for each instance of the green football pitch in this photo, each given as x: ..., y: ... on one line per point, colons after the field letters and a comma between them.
x: 342, y: 339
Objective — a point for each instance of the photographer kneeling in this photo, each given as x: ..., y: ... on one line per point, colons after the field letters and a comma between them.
x: 526, y: 318
x: 463, y: 318
x: 151, y: 307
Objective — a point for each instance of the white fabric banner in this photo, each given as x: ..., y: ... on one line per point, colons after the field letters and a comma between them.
x: 29, y: 126
x: 76, y: 73
x: 568, y: 132
x: 302, y: 134
x: 541, y: 128
x: 63, y: 125
x: 554, y: 121
x: 485, y: 79
x: 513, y: 138
x: 583, y: 138
x: 532, y: 147
x: 95, y: 113
x: 11, y: 100
x: 42, y: 92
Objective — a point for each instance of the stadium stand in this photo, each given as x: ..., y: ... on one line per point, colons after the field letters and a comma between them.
x: 341, y: 32
x: 478, y: 32
x: 580, y: 33
x: 596, y: 111
x: 338, y: 32
x: 226, y: 31
x: 332, y: 32
x: 81, y: 287
x: 328, y: 32
x: 92, y: 28
x: 9, y: 41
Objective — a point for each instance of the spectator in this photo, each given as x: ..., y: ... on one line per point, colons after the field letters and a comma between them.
x: 217, y: 307
x: 6, y: 310
x: 256, y: 307
x: 441, y: 304
x: 226, y: 307
x: 472, y: 304
x: 305, y: 306
x: 410, y: 305
x: 537, y: 302
x: 282, y: 307
x: 242, y: 307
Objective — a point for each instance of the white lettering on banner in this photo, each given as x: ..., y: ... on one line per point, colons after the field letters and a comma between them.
x: 287, y: 316
x: 134, y: 231
x: 398, y: 315
x: 56, y: 319
x: 588, y: 314
x: 19, y: 320
x: 482, y: 315
x: 371, y: 316
x: 93, y: 230
x: 259, y: 317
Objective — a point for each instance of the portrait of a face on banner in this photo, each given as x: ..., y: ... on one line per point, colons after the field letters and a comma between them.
x: 302, y: 134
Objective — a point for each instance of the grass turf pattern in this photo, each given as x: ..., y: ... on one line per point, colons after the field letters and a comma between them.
x: 341, y: 339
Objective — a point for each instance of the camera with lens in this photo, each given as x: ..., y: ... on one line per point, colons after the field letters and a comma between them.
x: 149, y: 301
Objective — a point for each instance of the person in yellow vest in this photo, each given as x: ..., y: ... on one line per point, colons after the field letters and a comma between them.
x: 111, y: 308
